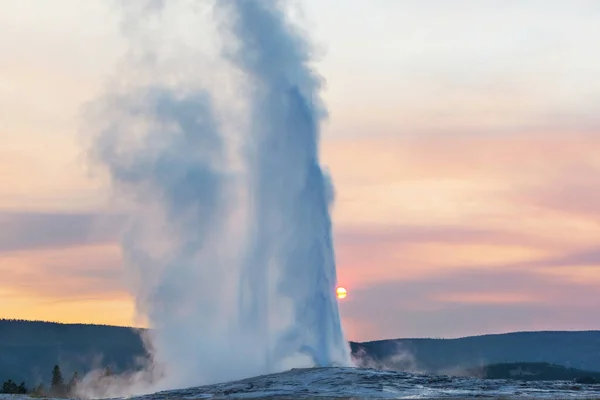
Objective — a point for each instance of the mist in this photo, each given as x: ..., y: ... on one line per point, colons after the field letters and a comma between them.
x: 398, y: 358
x: 213, y: 154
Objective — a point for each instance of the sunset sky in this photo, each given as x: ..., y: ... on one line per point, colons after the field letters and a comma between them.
x: 463, y: 141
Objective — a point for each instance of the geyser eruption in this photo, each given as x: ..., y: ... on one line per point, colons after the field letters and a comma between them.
x: 228, y: 249
x: 290, y: 194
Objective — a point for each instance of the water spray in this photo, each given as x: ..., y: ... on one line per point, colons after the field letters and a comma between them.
x: 231, y: 263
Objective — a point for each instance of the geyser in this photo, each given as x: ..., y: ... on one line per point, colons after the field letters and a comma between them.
x: 228, y: 249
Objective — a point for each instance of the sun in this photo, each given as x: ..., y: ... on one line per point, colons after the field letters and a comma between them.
x: 341, y: 292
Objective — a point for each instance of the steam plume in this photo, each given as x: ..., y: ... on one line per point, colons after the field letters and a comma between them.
x: 228, y: 250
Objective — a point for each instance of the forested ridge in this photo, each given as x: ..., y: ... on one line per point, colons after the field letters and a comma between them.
x: 30, y: 351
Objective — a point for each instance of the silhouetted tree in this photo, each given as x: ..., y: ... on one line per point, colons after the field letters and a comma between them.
x: 8, y: 387
x: 58, y: 386
x: 11, y: 387
x: 57, y: 379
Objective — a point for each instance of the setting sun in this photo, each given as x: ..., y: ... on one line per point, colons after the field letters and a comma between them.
x: 341, y: 292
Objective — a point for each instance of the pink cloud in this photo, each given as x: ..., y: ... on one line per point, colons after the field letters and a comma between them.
x: 430, y: 230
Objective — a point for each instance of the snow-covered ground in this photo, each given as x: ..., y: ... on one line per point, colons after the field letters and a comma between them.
x: 22, y: 397
x: 366, y: 384
x: 372, y: 384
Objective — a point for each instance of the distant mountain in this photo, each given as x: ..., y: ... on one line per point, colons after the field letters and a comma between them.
x: 29, y: 350
x: 580, y: 349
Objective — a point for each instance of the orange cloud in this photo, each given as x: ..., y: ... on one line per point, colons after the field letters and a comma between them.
x: 410, y: 210
x: 110, y: 310
x: 458, y: 156
x: 413, y: 208
x: 483, y: 181
x: 74, y: 272
x: 74, y: 284
x: 458, y: 184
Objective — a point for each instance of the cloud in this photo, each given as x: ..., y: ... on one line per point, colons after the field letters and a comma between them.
x: 79, y: 272
x: 454, y: 157
x: 367, y: 255
x: 449, y: 234
x: 422, y: 207
x: 497, y: 198
x: 585, y: 257
x: 464, y: 155
x: 589, y: 257
x: 573, y: 191
x: 38, y: 230
x: 64, y: 267
x: 484, y: 181
x: 529, y: 65
x: 455, y: 280
x: 463, y: 303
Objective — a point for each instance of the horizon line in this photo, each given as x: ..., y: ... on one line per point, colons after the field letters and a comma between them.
x: 349, y: 341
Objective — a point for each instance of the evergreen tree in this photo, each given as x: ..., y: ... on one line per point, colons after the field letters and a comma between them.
x: 10, y: 387
x: 22, y: 389
x: 7, y: 386
x: 58, y: 384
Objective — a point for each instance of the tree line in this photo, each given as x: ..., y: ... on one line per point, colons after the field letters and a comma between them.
x: 58, y: 387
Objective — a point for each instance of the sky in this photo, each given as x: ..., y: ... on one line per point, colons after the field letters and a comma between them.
x: 463, y: 141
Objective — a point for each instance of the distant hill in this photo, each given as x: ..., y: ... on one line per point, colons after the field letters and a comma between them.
x: 29, y: 350
x: 579, y: 350
x: 537, y: 372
